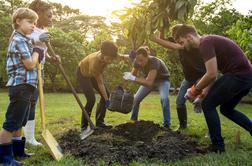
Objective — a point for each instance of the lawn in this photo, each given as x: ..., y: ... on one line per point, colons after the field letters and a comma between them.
x: 63, y: 113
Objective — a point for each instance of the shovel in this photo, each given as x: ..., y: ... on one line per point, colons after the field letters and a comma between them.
x: 90, y: 130
x: 48, y: 138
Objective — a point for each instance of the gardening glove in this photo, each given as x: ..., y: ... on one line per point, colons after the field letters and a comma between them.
x: 107, y: 103
x: 44, y: 37
x: 197, y: 108
x: 197, y: 103
x: 192, y: 93
x: 40, y: 52
x: 129, y: 76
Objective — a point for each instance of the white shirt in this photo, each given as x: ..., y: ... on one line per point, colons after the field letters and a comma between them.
x: 35, y: 35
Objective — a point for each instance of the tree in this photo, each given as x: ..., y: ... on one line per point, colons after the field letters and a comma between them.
x: 71, y: 52
x: 62, y: 12
x: 241, y: 32
x: 88, y: 26
x: 143, y: 19
x: 215, y: 17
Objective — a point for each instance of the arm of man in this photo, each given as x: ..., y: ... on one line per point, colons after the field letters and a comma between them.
x: 101, y: 86
x: 168, y: 44
x: 149, y: 80
x: 159, y: 39
x: 210, y: 75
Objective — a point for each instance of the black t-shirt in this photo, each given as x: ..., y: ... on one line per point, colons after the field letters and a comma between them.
x: 192, y: 64
x: 155, y: 63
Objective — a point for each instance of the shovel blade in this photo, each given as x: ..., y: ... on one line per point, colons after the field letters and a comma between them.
x: 53, y: 145
x: 85, y: 133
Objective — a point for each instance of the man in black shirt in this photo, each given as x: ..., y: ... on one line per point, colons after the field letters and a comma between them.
x: 193, y: 69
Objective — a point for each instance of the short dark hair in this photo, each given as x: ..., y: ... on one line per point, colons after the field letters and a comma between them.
x: 109, y: 48
x: 175, y: 29
x: 184, y: 30
x: 142, y: 51
x: 40, y: 6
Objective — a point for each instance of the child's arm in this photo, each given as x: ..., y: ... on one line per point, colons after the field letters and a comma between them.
x: 37, y: 56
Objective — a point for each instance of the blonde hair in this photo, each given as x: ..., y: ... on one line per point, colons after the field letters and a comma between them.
x: 23, y: 13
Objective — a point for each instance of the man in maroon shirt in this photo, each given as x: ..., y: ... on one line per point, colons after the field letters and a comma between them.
x: 219, y: 53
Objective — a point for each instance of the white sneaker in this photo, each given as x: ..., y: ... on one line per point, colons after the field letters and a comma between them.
x: 29, y: 130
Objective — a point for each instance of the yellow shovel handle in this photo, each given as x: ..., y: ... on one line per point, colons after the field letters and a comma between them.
x: 41, y: 97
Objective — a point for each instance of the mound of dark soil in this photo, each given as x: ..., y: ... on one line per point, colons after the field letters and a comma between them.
x: 138, y: 141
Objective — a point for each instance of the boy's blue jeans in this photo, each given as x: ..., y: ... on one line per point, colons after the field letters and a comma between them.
x: 19, y: 107
x: 226, y: 93
x: 143, y: 91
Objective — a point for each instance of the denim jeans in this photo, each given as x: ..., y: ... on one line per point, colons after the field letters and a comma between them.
x: 226, y: 92
x: 180, y: 100
x: 143, y: 91
x: 19, y: 107
x: 34, y: 100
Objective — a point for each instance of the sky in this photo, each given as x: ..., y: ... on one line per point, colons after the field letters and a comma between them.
x: 105, y: 7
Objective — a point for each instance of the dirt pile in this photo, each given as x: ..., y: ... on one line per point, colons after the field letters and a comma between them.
x: 138, y: 141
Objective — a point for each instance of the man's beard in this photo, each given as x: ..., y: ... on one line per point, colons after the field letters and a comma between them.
x: 189, y: 46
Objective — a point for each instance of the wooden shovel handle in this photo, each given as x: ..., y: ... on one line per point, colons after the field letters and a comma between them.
x: 41, y: 97
x: 71, y: 86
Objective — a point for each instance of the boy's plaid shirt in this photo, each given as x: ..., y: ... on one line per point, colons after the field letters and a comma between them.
x: 20, y: 48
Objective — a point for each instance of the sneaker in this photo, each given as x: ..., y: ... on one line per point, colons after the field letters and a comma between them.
x: 166, y: 128
x: 180, y: 128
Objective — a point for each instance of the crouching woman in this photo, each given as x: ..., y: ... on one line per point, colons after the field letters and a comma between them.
x: 156, y: 76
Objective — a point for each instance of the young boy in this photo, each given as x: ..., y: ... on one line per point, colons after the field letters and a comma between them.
x: 22, y: 83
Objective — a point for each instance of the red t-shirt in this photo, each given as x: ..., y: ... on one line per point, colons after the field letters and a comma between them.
x: 230, y: 57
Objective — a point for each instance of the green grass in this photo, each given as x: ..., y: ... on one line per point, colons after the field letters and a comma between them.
x: 63, y: 113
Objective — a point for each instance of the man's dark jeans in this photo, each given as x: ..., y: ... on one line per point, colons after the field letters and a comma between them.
x: 88, y: 84
x: 226, y: 93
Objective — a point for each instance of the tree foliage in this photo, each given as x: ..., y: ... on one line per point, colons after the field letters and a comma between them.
x: 215, y: 18
x: 241, y: 32
x: 143, y: 19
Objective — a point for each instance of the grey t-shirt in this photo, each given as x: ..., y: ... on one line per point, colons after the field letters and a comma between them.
x: 155, y: 64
